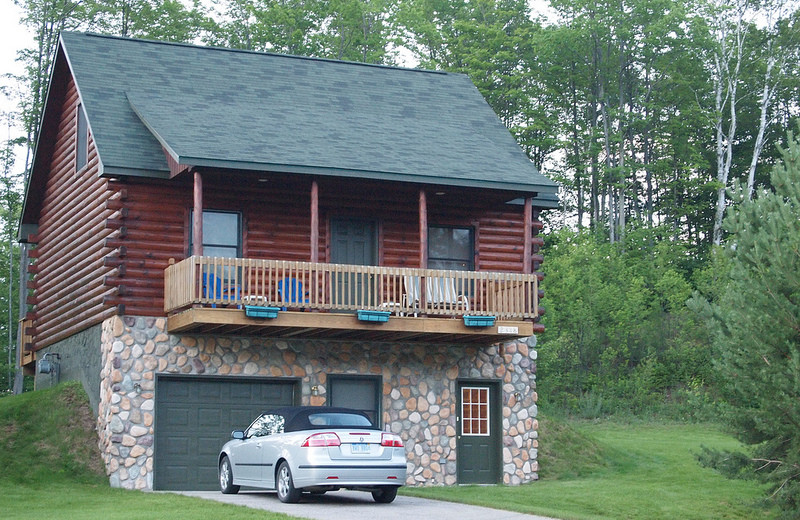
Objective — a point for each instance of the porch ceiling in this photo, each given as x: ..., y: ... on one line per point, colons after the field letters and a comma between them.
x: 344, y: 326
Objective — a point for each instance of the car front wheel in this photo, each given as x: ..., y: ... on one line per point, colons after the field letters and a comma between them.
x: 286, y: 490
x: 385, y: 495
x: 226, y: 477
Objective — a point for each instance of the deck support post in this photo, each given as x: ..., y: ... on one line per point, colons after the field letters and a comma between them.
x: 528, y: 228
x: 197, y: 215
x: 423, y: 243
x: 314, y: 222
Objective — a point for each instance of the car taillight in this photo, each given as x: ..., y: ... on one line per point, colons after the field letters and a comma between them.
x: 322, y: 440
x: 391, y: 440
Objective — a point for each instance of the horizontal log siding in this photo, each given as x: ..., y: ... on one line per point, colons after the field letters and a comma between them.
x: 153, y: 231
x: 277, y: 218
x: 68, y: 285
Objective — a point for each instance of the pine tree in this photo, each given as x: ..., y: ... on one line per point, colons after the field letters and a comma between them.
x: 755, y: 328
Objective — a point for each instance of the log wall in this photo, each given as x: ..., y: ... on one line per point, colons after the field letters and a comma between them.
x: 68, y: 265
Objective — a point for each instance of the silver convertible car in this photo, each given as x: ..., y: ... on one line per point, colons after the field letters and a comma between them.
x: 314, y: 449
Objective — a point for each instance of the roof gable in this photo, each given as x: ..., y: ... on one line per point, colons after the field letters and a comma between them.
x: 258, y: 111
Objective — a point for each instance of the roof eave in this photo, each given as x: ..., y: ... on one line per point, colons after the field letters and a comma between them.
x: 549, y: 187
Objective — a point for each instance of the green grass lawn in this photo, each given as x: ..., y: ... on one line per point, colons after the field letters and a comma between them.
x: 649, y: 472
x: 80, y: 501
x: 50, y: 468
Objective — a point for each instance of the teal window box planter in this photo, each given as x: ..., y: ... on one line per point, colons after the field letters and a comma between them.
x: 257, y: 311
x: 479, y: 321
x: 376, y: 316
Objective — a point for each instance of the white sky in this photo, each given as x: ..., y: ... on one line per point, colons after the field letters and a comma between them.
x: 13, y: 36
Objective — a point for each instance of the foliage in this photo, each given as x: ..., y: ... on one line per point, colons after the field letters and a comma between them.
x: 10, y: 204
x: 619, y: 336
x: 165, y: 20
x: 356, y: 30
x: 756, y: 334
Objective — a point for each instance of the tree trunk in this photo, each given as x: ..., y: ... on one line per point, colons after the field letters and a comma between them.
x: 766, y: 98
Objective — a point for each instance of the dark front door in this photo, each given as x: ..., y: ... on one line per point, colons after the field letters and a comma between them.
x: 359, y: 392
x: 353, y: 242
x: 479, y: 437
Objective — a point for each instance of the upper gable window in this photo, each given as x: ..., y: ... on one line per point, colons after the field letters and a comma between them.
x: 82, y: 140
x: 451, y: 248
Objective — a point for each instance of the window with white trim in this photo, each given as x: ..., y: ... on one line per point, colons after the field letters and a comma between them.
x: 475, y: 411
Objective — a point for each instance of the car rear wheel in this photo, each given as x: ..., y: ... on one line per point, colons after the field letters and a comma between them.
x: 226, y: 477
x: 286, y: 490
x: 385, y: 495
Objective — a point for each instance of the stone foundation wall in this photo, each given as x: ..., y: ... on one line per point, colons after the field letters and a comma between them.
x: 419, y: 387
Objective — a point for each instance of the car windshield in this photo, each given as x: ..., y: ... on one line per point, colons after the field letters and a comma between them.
x: 338, y: 419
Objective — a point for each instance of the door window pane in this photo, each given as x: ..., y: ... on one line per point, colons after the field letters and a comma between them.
x: 475, y: 411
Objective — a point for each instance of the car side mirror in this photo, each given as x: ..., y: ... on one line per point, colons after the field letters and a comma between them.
x: 237, y: 434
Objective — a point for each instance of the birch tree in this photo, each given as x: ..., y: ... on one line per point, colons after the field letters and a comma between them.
x: 775, y: 53
x: 727, y: 34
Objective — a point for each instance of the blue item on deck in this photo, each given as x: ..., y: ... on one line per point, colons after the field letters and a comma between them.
x: 479, y: 321
x: 258, y: 311
x: 377, y: 316
x: 290, y: 290
x: 213, y: 288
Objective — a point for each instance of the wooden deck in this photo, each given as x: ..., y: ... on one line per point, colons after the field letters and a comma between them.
x: 207, y: 295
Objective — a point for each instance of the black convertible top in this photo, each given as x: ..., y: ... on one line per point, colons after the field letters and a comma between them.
x: 299, y: 418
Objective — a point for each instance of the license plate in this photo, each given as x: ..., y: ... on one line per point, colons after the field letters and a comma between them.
x: 359, y: 448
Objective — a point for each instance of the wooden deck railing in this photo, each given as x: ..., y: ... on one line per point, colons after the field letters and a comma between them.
x: 338, y: 287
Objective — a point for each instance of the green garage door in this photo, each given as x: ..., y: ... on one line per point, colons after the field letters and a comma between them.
x: 194, y: 417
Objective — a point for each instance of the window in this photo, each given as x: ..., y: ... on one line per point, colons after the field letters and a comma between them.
x: 265, y: 425
x: 338, y: 419
x: 475, y: 411
x: 222, y: 234
x: 451, y: 248
x: 361, y: 393
x: 82, y: 140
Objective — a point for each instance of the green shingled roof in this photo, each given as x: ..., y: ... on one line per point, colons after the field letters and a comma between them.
x: 257, y: 111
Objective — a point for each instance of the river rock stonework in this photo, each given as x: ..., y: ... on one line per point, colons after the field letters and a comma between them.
x: 419, y: 391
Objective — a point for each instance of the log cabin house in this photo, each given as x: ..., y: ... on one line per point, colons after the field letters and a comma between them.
x: 214, y: 232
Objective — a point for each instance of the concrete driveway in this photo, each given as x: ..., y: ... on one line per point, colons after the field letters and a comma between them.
x: 355, y: 505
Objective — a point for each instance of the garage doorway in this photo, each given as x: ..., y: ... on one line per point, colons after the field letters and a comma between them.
x: 479, y: 435
x: 194, y: 417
